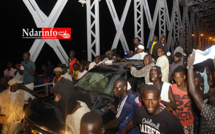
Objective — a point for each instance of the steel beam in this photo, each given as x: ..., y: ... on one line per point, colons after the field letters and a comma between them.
x: 119, y: 29
x: 117, y: 23
x: 42, y: 20
x: 192, y: 2
x: 162, y: 18
x: 93, y: 31
x: 138, y: 20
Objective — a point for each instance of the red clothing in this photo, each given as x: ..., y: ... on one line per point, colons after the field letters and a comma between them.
x: 71, y: 62
x: 183, y: 110
x: 57, y: 79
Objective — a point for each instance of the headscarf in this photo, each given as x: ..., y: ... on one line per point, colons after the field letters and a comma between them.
x: 58, y: 69
x: 14, y: 81
x: 68, y: 101
x: 140, y: 47
x: 11, y: 83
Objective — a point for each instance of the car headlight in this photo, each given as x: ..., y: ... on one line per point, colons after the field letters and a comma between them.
x: 35, y: 132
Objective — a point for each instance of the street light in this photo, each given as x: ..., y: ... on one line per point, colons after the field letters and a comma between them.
x: 201, y: 34
x: 193, y: 35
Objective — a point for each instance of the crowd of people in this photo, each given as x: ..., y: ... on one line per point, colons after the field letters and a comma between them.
x: 177, y: 97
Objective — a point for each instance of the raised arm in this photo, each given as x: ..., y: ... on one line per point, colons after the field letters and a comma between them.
x: 18, y: 69
x: 23, y: 87
x: 32, y: 72
x: 172, y: 102
x: 192, y: 89
x: 138, y: 73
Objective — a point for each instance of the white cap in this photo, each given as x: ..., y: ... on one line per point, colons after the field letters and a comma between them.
x: 150, y: 83
x: 14, y: 81
x: 128, y: 86
x: 168, y: 54
x: 140, y: 46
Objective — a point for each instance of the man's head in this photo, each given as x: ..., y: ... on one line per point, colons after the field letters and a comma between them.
x: 59, y: 64
x: 76, y: 66
x: 136, y: 41
x: 184, y: 59
x: 49, y: 62
x: 120, y: 87
x: 58, y: 71
x: 147, y: 59
x: 155, y: 74
x: 72, y: 54
x: 155, y: 38
x: 140, y: 49
x: 109, y: 54
x: 64, y: 68
x: 177, y: 57
x: 65, y: 98
x: 97, y: 59
x: 199, y: 83
x: 82, y: 67
x: 198, y: 79
x: 14, y: 84
x: 163, y: 39
x: 9, y: 65
x: 92, y: 123
x: 44, y: 75
x: 179, y: 76
x: 26, y: 56
x: 151, y: 98
x: 176, y: 44
x: 4, y: 81
x: 118, y: 58
x: 114, y: 51
x: 44, y: 68
x: 160, y: 52
x: 208, y: 71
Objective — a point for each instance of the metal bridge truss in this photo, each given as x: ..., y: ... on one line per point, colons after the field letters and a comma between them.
x: 138, y: 19
x: 175, y: 28
x: 42, y: 20
x: 93, y: 33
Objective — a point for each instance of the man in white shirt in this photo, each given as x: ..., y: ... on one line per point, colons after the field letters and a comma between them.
x: 65, y: 74
x: 163, y: 63
x: 109, y: 59
x: 9, y: 72
x: 96, y: 62
x: 140, y: 54
x: 12, y: 101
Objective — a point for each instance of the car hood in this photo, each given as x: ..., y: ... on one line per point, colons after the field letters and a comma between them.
x: 44, y: 115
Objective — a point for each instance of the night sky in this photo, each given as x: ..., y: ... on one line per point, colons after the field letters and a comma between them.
x: 15, y: 16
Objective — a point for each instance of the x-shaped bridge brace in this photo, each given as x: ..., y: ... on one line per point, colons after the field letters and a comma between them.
x: 41, y: 21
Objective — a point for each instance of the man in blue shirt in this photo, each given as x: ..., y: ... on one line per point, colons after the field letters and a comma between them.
x: 126, y: 108
x: 152, y: 43
x: 27, y: 69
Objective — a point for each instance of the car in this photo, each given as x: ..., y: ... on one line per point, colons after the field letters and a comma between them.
x: 95, y: 88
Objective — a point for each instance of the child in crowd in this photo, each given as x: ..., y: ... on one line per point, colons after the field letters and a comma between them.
x: 75, y: 72
x: 92, y: 123
x: 82, y: 71
x: 183, y: 101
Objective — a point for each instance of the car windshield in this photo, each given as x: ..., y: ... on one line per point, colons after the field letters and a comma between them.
x: 98, y: 82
